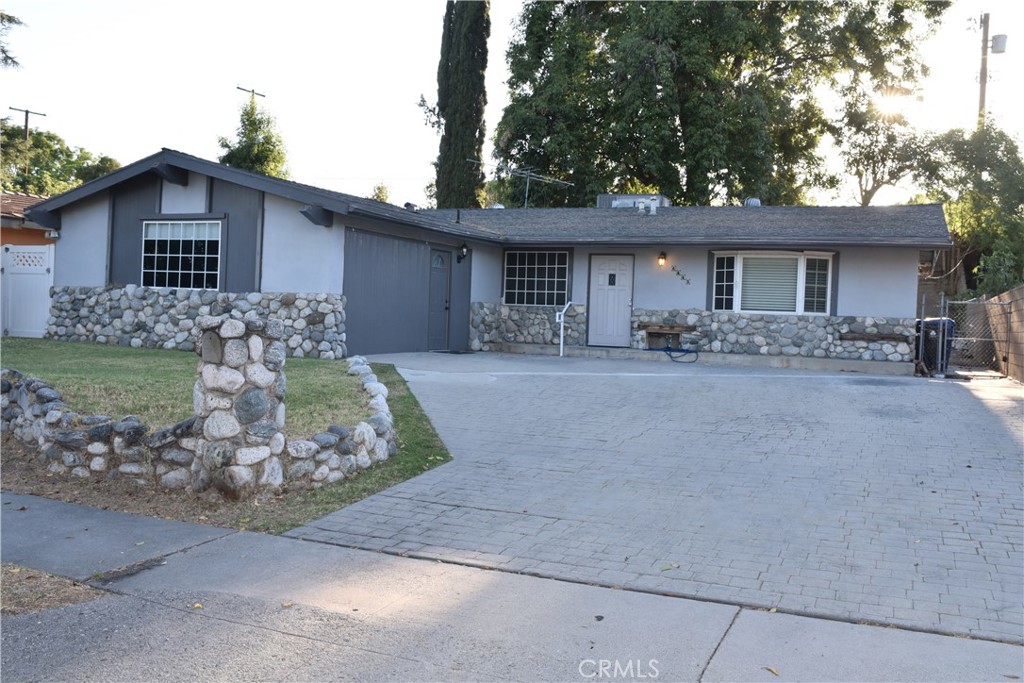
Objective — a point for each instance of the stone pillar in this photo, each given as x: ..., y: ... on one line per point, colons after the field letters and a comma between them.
x: 239, y: 398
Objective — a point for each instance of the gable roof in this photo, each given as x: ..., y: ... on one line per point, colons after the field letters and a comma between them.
x: 168, y: 163
x: 917, y: 225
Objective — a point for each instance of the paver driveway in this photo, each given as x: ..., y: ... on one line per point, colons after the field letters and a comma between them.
x: 895, y: 500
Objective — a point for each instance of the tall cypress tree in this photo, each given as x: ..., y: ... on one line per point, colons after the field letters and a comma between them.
x: 461, y: 98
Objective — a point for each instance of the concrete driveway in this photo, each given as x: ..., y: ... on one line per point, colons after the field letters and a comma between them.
x: 848, y: 496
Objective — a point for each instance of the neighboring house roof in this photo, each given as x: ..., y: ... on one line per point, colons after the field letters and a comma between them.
x: 917, y: 225
x: 169, y: 164
x: 13, y: 206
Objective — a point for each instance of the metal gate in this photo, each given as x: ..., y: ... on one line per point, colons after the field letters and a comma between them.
x: 981, y: 331
x: 26, y: 275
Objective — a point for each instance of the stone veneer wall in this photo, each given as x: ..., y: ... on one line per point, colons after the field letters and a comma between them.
x: 234, y: 442
x: 840, y: 337
x: 314, y: 324
x: 493, y: 324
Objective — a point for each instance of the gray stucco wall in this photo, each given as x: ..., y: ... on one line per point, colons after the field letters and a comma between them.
x: 189, y: 198
x: 297, y: 255
x: 879, y: 282
x: 487, y: 273
x: 81, y: 254
x: 661, y: 287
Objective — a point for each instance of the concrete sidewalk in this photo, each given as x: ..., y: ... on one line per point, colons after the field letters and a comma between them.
x: 276, y: 608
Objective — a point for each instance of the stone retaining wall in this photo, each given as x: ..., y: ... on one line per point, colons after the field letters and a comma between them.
x: 314, y: 324
x: 234, y: 443
x: 840, y: 337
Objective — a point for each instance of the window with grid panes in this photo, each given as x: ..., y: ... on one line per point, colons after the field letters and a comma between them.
x: 536, y: 278
x: 181, y: 254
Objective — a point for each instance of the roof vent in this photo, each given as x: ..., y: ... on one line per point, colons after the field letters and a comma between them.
x: 409, y: 206
x: 751, y: 201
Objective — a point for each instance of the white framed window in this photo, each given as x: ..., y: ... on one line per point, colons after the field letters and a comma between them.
x: 536, y: 277
x: 181, y: 254
x: 773, y: 282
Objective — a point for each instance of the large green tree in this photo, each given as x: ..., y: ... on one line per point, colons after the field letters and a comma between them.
x: 979, y: 177
x: 878, y: 148
x: 45, y: 163
x: 258, y: 147
x: 706, y: 101
x: 461, y: 98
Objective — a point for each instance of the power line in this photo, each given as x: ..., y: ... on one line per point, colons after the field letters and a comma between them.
x: 525, y: 173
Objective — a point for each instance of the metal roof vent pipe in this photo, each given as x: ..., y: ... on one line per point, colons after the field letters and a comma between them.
x: 751, y: 201
x: 654, y: 206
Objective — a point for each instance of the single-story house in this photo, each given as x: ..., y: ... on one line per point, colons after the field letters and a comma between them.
x: 833, y: 282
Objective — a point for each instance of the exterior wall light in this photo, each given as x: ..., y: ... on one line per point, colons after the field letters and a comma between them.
x: 662, y: 259
x: 463, y: 250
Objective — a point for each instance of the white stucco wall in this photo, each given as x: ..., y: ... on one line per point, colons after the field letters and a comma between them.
x: 189, y: 198
x: 487, y: 273
x: 81, y: 254
x: 877, y: 281
x: 297, y: 255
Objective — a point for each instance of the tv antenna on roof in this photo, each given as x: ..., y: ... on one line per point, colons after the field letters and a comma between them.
x: 525, y: 173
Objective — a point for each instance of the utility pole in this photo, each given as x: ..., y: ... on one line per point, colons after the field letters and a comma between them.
x: 998, y: 46
x: 252, y: 91
x: 27, y: 155
x: 27, y: 112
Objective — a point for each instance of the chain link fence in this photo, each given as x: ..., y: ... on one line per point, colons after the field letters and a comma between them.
x: 979, y: 329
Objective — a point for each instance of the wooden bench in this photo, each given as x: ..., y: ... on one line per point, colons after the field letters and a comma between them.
x: 665, y: 334
x: 663, y: 328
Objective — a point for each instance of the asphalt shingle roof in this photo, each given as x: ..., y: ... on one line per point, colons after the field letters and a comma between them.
x: 14, y: 204
x: 920, y: 225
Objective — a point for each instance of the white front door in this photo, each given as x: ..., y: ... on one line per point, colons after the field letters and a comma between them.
x: 25, y: 292
x: 611, y: 300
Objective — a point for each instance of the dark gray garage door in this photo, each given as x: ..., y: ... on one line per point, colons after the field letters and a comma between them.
x: 390, y: 308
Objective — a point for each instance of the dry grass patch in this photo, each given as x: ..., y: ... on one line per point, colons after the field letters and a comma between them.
x: 24, y: 590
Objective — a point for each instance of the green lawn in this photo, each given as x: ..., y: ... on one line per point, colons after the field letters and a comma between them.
x: 156, y: 385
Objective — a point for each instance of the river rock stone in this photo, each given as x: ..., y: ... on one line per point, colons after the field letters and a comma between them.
x: 221, y: 425
x: 302, y: 449
x: 251, y: 406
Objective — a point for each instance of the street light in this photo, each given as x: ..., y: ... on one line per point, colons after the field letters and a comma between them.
x: 998, y: 46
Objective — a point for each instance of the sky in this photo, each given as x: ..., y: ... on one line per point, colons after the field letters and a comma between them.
x: 343, y: 78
